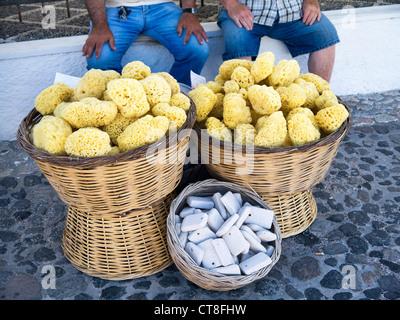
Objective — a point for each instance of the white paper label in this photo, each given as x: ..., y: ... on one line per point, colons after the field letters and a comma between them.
x: 196, y: 79
x: 66, y: 79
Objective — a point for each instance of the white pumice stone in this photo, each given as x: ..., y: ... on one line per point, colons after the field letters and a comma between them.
x: 219, y: 205
x: 230, y: 202
x: 235, y: 241
x: 199, y: 235
x: 210, y: 258
x: 178, y: 228
x: 178, y: 219
x: 200, y: 202
x: 227, y: 225
x: 260, y: 216
x: 247, y: 255
x: 255, y: 263
x: 215, y: 221
x: 239, y: 198
x: 222, y: 251
x: 243, y: 214
x: 255, y: 227
x: 195, y: 252
x: 270, y: 250
x: 183, y: 238
x: 251, y: 232
x: 266, y: 235
x: 186, y: 211
x: 254, y: 244
x: 232, y: 270
x: 194, y: 221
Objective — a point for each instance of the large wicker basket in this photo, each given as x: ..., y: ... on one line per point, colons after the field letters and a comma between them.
x: 115, y: 183
x: 187, y: 266
x: 278, y: 175
x: 118, y: 246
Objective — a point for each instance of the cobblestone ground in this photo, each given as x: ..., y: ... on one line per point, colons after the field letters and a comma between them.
x: 355, y: 236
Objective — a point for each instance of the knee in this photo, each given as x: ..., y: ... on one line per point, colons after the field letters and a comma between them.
x: 108, y: 60
x: 196, y: 52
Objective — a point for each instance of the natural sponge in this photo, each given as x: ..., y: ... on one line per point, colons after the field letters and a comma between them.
x: 326, y: 99
x: 89, y: 112
x: 231, y: 86
x: 292, y: 97
x: 180, y: 100
x: 301, y: 129
x: 143, y: 131
x: 306, y: 111
x: 243, y: 77
x: 117, y: 126
x: 50, y: 133
x: 235, y: 110
x: 129, y: 96
x: 273, y: 133
x: 88, y: 142
x: 227, y: 67
x: 217, y: 129
x: 110, y: 75
x: 263, y: 66
x: 175, y: 88
x: 175, y: 114
x: 284, y: 73
x: 320, y: 83
x: 264, y: 100
x: 245, y: 134
x: 311, y: 92
x: 204, y: 99
x: 331, y: 118
x: 157, y: 89
x: 47, y: 100
x: 135, y: 70
x: 92, y: 84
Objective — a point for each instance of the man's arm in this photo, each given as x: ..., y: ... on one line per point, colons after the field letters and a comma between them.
x: 311, y: 11
x: 191, y: 24
x: 100, y: 31
x: 239, y: 13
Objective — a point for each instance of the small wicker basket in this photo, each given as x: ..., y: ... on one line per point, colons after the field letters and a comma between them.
x: 115, y: 183
x: 281, y: 176
x: 118, y: 246
x: 187, y: 266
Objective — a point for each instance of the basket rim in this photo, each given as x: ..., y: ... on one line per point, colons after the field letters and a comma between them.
x: 240, y: 280
x: 23, y: 138
x: 341, y: 131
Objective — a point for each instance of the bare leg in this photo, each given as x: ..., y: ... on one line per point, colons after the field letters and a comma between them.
x: 321, y: 62
x: 245, y: 58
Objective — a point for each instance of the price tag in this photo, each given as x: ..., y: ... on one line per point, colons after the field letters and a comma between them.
x: 196, y: 79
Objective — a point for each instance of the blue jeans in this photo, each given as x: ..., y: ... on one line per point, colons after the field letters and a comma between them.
x: 298, y: 37
x: 159, y: 22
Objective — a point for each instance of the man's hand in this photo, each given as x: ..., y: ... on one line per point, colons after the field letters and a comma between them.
x: 95, y: 41
x: 191, y: 24
x: 311, y: 12
x: 239, y: 13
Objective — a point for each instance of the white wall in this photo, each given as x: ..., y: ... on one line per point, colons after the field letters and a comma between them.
x: 366, y: 60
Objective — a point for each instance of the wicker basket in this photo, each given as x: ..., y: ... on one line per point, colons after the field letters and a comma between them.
x: 279, y: 175
x: 118, y: 246
x: 200, y: 276
x: 116, y: 183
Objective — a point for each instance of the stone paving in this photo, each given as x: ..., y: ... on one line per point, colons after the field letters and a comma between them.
x: 350, y: 252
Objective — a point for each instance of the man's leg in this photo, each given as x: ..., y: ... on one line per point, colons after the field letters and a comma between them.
x: 125, y: 32
x: 318, y: 40
x: 239, y: 43
x: 161, y: 24
x: 321, y: 62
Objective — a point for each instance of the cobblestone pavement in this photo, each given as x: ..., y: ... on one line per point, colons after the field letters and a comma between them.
x: 37, y: 19
x: 355, y: 236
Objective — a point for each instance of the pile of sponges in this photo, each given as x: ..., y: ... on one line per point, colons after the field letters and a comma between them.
x: 266, y: 104
x: 226, y: 234
x: 108, y: 112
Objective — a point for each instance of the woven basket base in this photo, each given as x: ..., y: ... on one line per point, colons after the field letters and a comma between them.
x: 294, y: 212
x: 118, y: 247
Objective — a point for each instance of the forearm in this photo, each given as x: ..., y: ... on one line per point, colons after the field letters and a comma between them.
x: 97, y: 13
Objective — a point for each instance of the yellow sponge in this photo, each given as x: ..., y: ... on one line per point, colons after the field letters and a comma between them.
x: 284, y: 73
x: 326, y: 99
x: 301, y: 130
x: 117, y: 126
x: 157, y: 89
x: 217, y: 129
x: 204, y: 99
x: 50, y: 133
x: 180, y: 100
x: 174, y: 114
x: 243, y: 77
x: 263, y: 66
x: 231, y: 86
x: 175, y: 88
x: 235, y: 110
x: 292, y: 97
x: 263, y: 99
x: 227, y: 67
x: 320, y: 83
x: 92, y: 84
x: 273, y: 133
x: 88, y: 142
x: 331, y: 118
x: 245, y: 134
x: 48, y: 99
x: 136, y: 70
x: 311, y: 92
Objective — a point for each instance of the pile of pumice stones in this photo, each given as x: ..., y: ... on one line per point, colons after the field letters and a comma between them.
x: 225, y: 234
